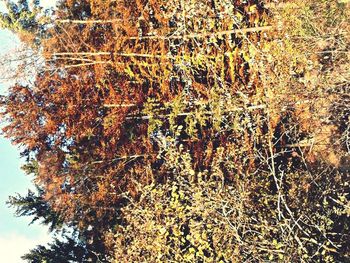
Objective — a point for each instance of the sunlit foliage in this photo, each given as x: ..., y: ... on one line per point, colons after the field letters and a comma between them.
x: 189, y: 131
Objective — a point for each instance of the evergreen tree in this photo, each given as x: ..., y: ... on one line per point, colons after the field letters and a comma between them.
x: 71, y: 243
x: 34, y: 205
x: 59, y: 252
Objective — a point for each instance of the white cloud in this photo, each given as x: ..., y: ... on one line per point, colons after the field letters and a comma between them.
x: 15, y: 245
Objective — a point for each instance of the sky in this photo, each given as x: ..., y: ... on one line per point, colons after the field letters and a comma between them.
x: 17, y: 237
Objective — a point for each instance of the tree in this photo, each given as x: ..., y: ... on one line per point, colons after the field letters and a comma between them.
x: 26, y: 20
x: 70, y: 244
x: 34, y: 205
x: 59, y: 251
x: 144, y: 96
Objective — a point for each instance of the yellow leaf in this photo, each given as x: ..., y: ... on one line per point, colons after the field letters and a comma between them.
x: 129, y: 72
x: 252, y: 9
x: 162, y: 230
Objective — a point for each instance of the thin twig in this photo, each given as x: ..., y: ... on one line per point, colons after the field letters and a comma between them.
x: 205, y: 34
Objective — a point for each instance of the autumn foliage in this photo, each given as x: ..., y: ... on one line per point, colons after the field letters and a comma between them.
x: 188, y: 131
